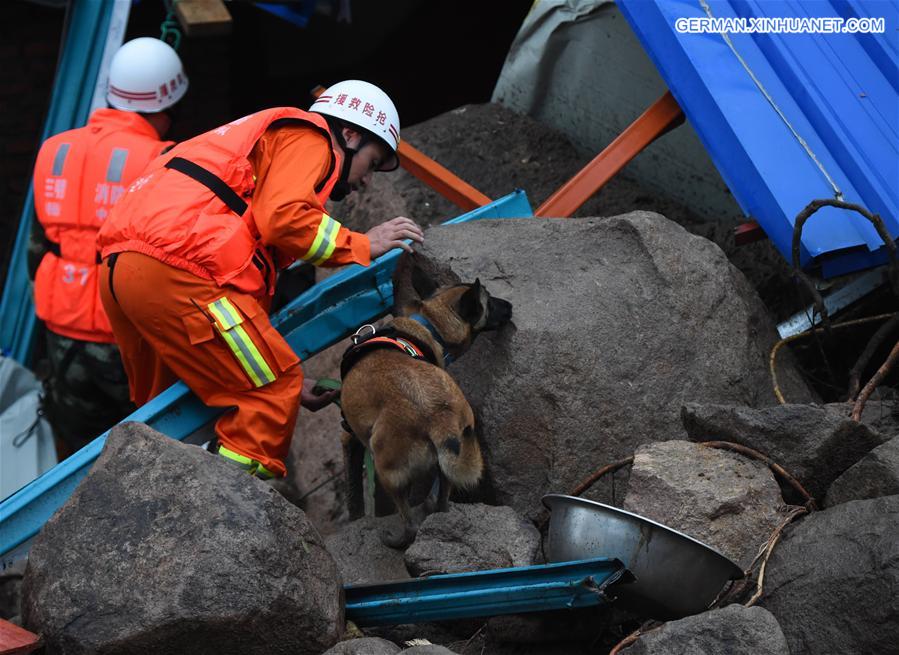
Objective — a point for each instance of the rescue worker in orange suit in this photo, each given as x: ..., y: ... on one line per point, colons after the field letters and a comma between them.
x: 193, y: 248
x: 79, y: 175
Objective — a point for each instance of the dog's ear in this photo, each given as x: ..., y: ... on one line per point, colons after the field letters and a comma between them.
x: 470, y: 307
x: 424, y: 284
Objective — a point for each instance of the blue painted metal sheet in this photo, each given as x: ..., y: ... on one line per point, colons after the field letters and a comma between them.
x: 298, y: 13
x: 839, y: 91
x: 565, y: 585
x: 317, y: 319
x: 70, y: 104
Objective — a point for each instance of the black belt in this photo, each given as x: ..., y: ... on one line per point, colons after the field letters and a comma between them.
x: 211, y: 181
x: 56, y: 250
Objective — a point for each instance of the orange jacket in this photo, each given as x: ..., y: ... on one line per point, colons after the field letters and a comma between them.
x: 79, y: 175
x: 261, y: 208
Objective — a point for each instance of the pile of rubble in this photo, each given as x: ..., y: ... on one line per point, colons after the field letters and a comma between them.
x: 631, y: 338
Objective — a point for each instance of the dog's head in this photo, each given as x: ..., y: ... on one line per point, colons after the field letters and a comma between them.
x: 458, y: 312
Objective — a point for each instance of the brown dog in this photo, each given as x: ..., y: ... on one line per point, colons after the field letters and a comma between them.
x: 399, y: 401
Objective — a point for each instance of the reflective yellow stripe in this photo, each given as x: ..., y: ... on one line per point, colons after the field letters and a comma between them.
x: 226, y: 313
x: 262, y: 472
x: 325, y: 241
x: 246, y: 463
x: 242, y: 347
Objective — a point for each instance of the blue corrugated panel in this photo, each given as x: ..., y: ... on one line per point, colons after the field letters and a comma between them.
x: 317, y: 319
x: 839, y: 91
x: 73, y: 90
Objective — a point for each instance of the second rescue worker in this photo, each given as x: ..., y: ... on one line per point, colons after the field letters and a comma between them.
x: 194, y: 246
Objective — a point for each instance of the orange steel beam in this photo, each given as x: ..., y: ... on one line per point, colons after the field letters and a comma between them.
x: 748, y: 232
x: 441, y: 179
x: 663, y: 115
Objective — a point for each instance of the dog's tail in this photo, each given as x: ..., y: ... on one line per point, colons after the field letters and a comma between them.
x: 459, y: 457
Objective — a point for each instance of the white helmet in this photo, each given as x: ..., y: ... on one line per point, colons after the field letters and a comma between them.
x: 363, y: 105
x: 146, y: 76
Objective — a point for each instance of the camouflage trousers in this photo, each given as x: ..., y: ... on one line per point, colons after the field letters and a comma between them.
x: 87, y: 391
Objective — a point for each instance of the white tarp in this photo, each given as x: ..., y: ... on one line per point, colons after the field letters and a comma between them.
x: 577, y: 66
x: 26, y: 439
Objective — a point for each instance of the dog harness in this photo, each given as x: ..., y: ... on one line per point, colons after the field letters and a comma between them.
x: 365, y: 343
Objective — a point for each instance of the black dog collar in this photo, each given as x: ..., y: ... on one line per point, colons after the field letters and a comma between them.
x: 418, y: 318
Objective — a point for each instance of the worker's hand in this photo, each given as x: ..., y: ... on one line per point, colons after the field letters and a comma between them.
x: 314, y: 402
x: 390, y: 235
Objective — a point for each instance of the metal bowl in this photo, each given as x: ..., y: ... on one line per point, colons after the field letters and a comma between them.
x: 676, y: 575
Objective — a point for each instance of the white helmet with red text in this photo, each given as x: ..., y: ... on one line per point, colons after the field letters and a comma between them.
x: 364, y: 105
x: 146, y: 76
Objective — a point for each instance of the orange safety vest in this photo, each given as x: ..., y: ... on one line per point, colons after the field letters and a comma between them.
x: 79, y: 175
x: 199, y: 216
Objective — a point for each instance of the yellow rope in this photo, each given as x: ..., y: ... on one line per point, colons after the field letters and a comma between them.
x: 772, y: 360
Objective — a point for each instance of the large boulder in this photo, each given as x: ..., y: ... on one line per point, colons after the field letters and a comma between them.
x: 364, y: 646
x: 814, y: 443
x: 503, y: 150
x: 617, y: 323
x: 165, y: 548
x: 361, y: 556
x: 473, y: 537
x: 735, y: 630
x: 832, y: 580
x: 724, y: 500
x: 876, y: 474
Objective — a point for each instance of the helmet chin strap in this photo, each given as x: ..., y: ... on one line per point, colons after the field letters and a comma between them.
x: 342, y: 187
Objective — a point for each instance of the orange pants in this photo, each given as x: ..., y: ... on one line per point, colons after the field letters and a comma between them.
x: 171, y: 324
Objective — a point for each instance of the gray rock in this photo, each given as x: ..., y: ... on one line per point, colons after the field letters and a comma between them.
x: 473, y: 537
x: 814, y: 443
x: 617, y: 323
x: 734, y: 630
x: 362, y: 557
x: 429, y: 649
x: 881, y: 415
x: 164, y: 546
x: 315, y: 479
x: 874, y: 475
x: 831, y: 581
x: 364, y: 646
x: 724, y: 500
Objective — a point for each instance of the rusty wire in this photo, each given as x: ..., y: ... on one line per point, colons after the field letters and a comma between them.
x: 636, y: 634
x: 776, y: 468
x: 808, y: 282
x: 874, y: 219
x: 772, y: 359
x: 873, y: 382
x: 768, y: 548
x: 879, y: 337
x: 590, y: 480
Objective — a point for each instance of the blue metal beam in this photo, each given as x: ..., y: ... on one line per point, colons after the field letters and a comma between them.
x: 317, y: 319
x: 564, y: 585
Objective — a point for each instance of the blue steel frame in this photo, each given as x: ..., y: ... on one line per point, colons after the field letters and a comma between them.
x: 87, y: 25
x: 317, y: 319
